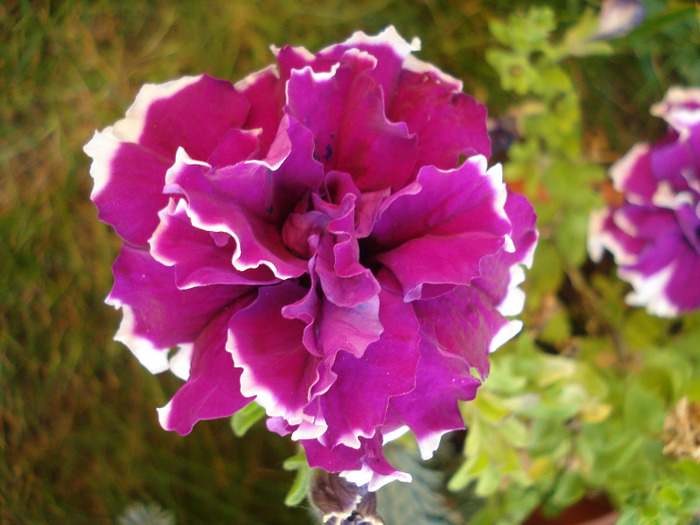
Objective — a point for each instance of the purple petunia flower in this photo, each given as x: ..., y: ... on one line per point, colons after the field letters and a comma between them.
x: 323, y: 238
x: 655, y: 233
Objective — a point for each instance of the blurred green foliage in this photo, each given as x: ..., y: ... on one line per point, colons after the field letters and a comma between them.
x: 575, y: 404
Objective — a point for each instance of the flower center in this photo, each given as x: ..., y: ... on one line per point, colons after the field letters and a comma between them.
x: 300, y: 232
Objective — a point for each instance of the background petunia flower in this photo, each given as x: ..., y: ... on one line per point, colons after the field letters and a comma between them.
x: 323, y: 238
x: 618, y: 17
x: 654, y: 233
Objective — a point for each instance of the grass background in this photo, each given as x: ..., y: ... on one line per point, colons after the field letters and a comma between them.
x: 79, y: 438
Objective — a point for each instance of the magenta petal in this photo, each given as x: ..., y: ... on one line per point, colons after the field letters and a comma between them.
x: 449, y: 124
x: 265, y: 92
x: 462, y: 323
x: 431, y: 409
x: 345, y: 281
x: 236, y: 146
x: 438, y: 231
x: 345, y: 113
x: 501, y: 273
x: 191, y: 113
x: 213, y: 387
x: 355, y: 406
x: 632, y: 175
x: 334, y: 459
x: 603, y: 233
x: 277, y: 368
x: 331, y: 328
x: 363, y: 466
x: 130, y: 159
x: 157, y: 315
x: 682, y: 288
x: 349, y: 329
x: 196, y: 256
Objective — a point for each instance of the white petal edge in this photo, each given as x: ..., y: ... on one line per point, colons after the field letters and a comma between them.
x: 674, y: 111
x: 514, y: 301
x: 621, y: 170
x: 310, y: 429
x: 429, y: 444
x: 252, y: 78
x: 649, y: 291
x: 599, y: 240
x: 394, y: 434
x: 374, y: 481
x: 666, y: 197
x: 495, y: 175
x: 505, y: 334
x: 155, y: 360
x: 390, y: 37
x: 181, y: 360
x: 102, y: 148
x: 164, y: 415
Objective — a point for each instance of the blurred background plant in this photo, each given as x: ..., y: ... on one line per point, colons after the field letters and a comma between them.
x: 574, y: 406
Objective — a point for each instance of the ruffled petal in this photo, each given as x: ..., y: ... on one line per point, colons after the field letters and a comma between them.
x: 193, y: 113
x: 236, y: 146
x: 355, y: 406
x: 250, y: 200
x: 344, y: 110
x: 130, y: 159
x: 199, y: 257
x: 213, y: 388
x: 157, y: 315
x: 462, y: 323
x: 448, y: 123
x: 265, y: 93
x: 363, y: 466
x: 128, y: 185
x: 431, y: 409
x: 345, y: 281
x: 388, y: 47
x: 501, y: 273
x: 682, y: 288
x: 632, y: 175
x: 278, y: 371
x: 604, y: 234
x: 439, y: 229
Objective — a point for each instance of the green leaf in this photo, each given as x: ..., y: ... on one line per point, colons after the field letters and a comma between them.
x: 570, y: 237
x: 467, y: 471
x: 643, y: 411
x: 297, y: 491
x: 578, y: 42
x: 557, y: 332
x: 421, y: 500
x: 569, y: 489
x: 515, y: 432
x: 670, y: 495
x: 489, y: 407
x: 246, y: 417
x: 488, y: 482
